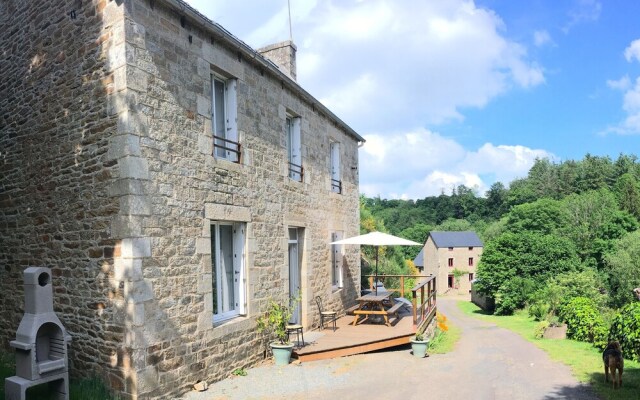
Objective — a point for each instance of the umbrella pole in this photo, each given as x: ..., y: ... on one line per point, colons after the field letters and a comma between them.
x: 375, y: 283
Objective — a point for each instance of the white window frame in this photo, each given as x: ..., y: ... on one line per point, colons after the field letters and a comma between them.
x: 230, y: 119
x: 336, y: 179
x: 239, y: 268
x: 336, y: 261
x: 294, y: 147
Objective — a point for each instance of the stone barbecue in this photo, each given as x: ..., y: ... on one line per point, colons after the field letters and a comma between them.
x: 41, y: 340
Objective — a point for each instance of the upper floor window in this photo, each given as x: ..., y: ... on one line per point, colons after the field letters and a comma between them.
x: 450, y: 248
x: 294, y: 148
x: 228, y: 269
x: 450, y: 262
x: 224, y: 118
x: 471, y: 261
x: 336, y: 182
x: 470, y: 248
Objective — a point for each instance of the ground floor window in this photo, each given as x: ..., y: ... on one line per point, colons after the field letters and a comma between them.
x: 450, y: 282
x: 336, y: 261
x: 296, y: 241
x: 228, y: 269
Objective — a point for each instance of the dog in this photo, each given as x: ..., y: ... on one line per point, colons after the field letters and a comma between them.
x: 613, y: 361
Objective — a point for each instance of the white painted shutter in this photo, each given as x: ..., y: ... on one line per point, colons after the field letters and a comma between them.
x: 239, y: 267
x: 296, y: 152
x: 232, y: 116
x: 335, y: 161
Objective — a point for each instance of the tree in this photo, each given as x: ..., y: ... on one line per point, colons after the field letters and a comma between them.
x: 594, y: 221
x: 524, y: 255
x: 543, y: 177
x: 544, y: 216
x: 417, y: 233
x: 623, y: 269
x: 496, y: 203
x: 520, y: 192
x: 628, y: 194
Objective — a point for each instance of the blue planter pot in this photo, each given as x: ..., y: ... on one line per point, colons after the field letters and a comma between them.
x: 419, y: 348
x: 282, y: 353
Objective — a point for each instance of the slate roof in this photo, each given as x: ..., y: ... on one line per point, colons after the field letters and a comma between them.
x: 419, y: 260
x: 456, y: 239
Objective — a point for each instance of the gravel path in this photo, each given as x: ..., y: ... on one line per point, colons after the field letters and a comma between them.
x: 488, y: 363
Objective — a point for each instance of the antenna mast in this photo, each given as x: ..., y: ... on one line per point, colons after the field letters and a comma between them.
x: 290, y: 30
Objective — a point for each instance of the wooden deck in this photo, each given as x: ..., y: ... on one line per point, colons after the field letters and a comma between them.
x: 348, y: 339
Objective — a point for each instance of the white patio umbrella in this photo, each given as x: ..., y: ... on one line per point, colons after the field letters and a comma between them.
x: 377, y: 239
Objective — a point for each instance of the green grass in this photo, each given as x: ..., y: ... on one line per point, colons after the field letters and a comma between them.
x: 84, y: 389
x: 584, y: 360
x: 444, y: 342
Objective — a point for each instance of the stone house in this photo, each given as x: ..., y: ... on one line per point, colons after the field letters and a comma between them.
x: 174, y: 179
x: 447, y: 254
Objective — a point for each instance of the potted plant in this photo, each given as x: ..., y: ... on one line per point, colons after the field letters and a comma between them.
x: 419, y: 345
x: 275, y: 321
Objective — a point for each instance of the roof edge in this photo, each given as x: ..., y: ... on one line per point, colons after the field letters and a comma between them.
x: 207, y: 24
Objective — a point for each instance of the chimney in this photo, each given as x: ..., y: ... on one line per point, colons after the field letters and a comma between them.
x: 282, y: 54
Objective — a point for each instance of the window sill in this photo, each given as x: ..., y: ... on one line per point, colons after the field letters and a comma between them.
x: 229, y: 165
x: 232, y: 325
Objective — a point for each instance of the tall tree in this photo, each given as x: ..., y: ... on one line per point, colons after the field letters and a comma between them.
x: 628, y: 194
x: 622, y: 268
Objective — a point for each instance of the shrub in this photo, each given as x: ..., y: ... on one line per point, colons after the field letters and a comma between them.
x: 539, y: 310
x: 625, y: 328
x: 584, y: 322
x: 538, y: 332
x: 514, y: 294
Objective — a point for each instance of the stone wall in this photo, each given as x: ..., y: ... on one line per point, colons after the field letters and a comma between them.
x: 109, y: 178
x: 58, y: 82
x: 173, y: 342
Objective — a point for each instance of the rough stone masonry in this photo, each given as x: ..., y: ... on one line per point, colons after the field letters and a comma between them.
x: 108, y: 176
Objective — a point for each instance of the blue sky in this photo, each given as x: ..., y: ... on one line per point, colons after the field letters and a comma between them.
x: 451, y: 92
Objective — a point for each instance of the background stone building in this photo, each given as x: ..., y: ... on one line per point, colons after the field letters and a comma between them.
x: 165, y: 242
x: 447, y: 254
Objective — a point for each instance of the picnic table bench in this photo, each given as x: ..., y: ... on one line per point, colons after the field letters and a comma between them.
x: 372, y: 304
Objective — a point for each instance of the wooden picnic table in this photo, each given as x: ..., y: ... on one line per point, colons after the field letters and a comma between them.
x: 374, y: 304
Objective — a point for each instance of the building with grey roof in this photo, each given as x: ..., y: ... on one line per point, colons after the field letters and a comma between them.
x: 452, y: 257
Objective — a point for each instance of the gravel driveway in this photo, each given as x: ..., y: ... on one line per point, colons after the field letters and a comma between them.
x: 487, y: 363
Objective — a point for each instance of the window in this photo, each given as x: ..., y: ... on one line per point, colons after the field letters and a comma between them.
x: 336, y: 261
x: 451, y: 262
x: 470, y: 277
x: 294, y: 148
x: 296, y: 239
x: 228, y: 270
x: 471, y: 261
x: 450, y: 281
x: 224, y: 119
x: 470, y: 248
x: 336, y: 182
x: 450, y: 248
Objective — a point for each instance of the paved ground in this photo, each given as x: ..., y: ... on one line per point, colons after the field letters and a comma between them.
x: 488, y: 363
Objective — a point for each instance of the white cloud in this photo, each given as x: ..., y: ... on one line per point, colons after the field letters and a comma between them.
x: 583, y: 11
x: 422, y: 163
x: 631, y: 99
x: 386, y: 67
x: 421, y: 62
x: 621, y: 84
x: 633, y: 51
x: 541, y: 38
